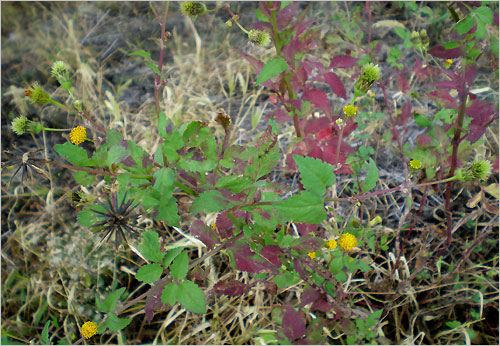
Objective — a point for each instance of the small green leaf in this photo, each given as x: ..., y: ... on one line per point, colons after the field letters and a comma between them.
x: 169, y: 294
x: 373, y: 318
x: 169, y: 257
x: 116, y: 153
x: 191, y: 297
x: 179, y: 267
x: 150, y: 246
x: 371, y: 176
x: 74, y: 154
x: 422, y: 120
x: 315, y: 175
x: 83, y: 178
x: 45, y: 334
x: 287, y: 279
x: 142, y: 53
x: 164, y: 180
x: 271, y: 69
x: 115, y: 324
x: 86, y: 218
x: 109, y: 303
x: 149, y: 273
x: 464, y: 25
x: 153, y: 67
x: 167, y: 210
x: 306, y: 207
x: 209, y: 202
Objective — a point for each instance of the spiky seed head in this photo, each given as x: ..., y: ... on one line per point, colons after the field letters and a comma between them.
x: 89, y: 329
x: 59, y: 69
x: 350, y: 111
x: 37, y: 95
x: 479, y: 169
x: 259, y: 37
x: 369, y: 74
x: 78, y: 135
x: 35, y: 127
x: 193, y: 8
x: 20, y: 125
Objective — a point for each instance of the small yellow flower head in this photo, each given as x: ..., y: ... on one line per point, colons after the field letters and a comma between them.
x: 89, y: 329
x: 193, y: 8
x: 415, y: 164
x: 59, y: 69
x: 259, y: 37
x: 20, y: 125
x: 312, y: 254
x: 448, y: 63
x: 347, y: 241
x: 350, y: 111
x: 37, y: 95
x: 78, y: 135
x: 331, y: 244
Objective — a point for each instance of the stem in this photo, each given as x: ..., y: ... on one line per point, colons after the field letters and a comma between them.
x: 339, y: 142
x: 76, y: 168
x: 158, y: 81
x: 55, y: 130
x: 69, y: 109
x: 97, y: 126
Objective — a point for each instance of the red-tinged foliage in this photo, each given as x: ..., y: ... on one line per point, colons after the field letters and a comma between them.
x: 424, y: 140
x: 342, y: 61
x: 286, y: 15
x: 249, y: 261
x: 443, y: 53
x: 402, y: 82
x: 205, y: 233
x: 319, y: 99
x: 306, y: 228
x: 309, y: 296
x: 294, y: 324
x: 423, y: 72
x: 322, y: 304
x: 446, y: 84
x: 231, y: 288
x: 444, y: 97
x: 405, y: 114
x: 481, y: 112
x: 272, y: 253
x: 153, y: 303
x: 258, y: 65
x: 336, y: 84
x: 225, y: 226
x: 495, y: 164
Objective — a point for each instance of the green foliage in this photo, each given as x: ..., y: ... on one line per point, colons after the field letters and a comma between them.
x: 180, y: 266
x: 315, y: 175
x: 149, y: 273
x: 191, y: 297
x: 150, y: 246
x: 109, y: 303
x: 272, y: 69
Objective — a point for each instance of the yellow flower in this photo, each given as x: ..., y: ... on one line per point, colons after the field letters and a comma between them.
x: 349, y: 110
x: 89, y: 329
x: 312, y: 255
x: 448, y: 63
x: 332, y: 244
x: 78, y: 135
x: 347, y: 241
x: 415, y: 164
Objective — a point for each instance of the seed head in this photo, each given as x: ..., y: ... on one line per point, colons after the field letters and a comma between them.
x: 37, y: 95
x: 347, y: 241
x: 415, y: 164
x: 331, y: 244
x: 20, y: 125
x: 350, y: 111
x: 415, y: 39
x: 369, y: 75
x: 59, y: 69
x: 193, y: 8
x: 89, y: 329
x: 78, y: 135
x: 259, y: 37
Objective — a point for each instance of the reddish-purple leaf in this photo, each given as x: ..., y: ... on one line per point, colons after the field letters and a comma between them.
x: 403, y: 83
x: 271, y: 253
x: 306, y: 228
x: 470, y: 73
x: 480, y: 111
x: 247, y: 260
x: 445, y: 84
x: 309, y: 295
x: 153, y: 303
x: 206, y: 234
x: 225, y: 226
x: 293, y: 323
x: 313, y: 126
x: 342, y: 61
x: 443, y: 53
x: 424, y: 140
x: 286, y: 15
x: 302, y: 26
x: 447, y: 100
x: 405, y: 114
x: 231, y: 288
x: 319, y: 99
x: 302, y: 341
x: 322, y: 305
x: 336, y: 84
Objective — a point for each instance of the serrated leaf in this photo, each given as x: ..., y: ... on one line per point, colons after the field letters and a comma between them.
x: 74, y: 154
x: 115, y: 324
x: 116, y: 153
x: 272, y: 69
x: 169, y: 294
x: 371, y: 178
x: 464, y: 25
x: 149, y: 273
x: 45, y: 334
x: 150, y: 246
x: 286, y: 279
x: 109, y: 303
x: 191, y: 297
x: 169, y: 257
x: 180, y: 266
x: 373, y: 318
x: 306, y: 207
x: 164, y: 180
x: 315, y: 175
x: 209, y: 202
x: 167, y: 210
x: 86, y: 218
x: 83, y: 178
x: 142, y: 53
x: 422, y: 120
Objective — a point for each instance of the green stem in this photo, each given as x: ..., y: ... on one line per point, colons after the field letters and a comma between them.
x: 185, y: 188
x: 55, y: 130
x: 69, y: 109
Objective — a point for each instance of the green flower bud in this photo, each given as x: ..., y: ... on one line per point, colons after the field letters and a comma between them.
x: 37, y: 94
x: 375, y: 221
x: 193, y: 8
x: 229, y: 23
x: 369, y: 75
x: 59, y: 70
x: 415, y: 164
x: 20, y: 125
x: 259, y: 37
x: 78, y: 105
x: 35, y: 127
x: 424, y: 39
x: 415, y: 39
x: 480, y: 169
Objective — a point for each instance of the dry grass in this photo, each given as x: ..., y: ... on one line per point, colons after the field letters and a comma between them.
x: 49, y: 271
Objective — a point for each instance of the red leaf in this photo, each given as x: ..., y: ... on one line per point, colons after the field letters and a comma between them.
x: 342, y: 61
x: 309, y: 295
x: 319, y: 99
x: 336, y: 84
x: 313, y: 126
x: 424, y: 140
x: 286, y: 15
x: 247, y: 260
x: 306, y: 228
x: 443, y: 95
x: 480, y: 111
x: 445, y: 84
x: 403, y: 83
x: 205, y: 233
x: 443, y: 53
x: 322, y: 305
x: 271, y: 253
x: 231, y: 288
x: 293, y: 324
x: 405, y: 114
x: 324, y: 134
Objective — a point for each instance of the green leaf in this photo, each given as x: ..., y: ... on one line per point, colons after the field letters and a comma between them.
x: 109, y: 303
x: 287, y: 279
x: 169, y: 294
x: 74, y: 154
x: 209, y: 202
x: 116, y: 153
x: 271, y: 69
x: 115, y: 324
x: 45, y: 334
x: 83, y: 178
x: 464, y: 25
x: 371, y: 176
x: 373, y: 318
x: 422, y: 120
x: 149, y: 273
x: 86, y: 218
x: 191, y: 297
x: 142, y: 53
x: 315, y: 175
x: 153, y: 67
x: 150, y: 246
x: 180, y: 266
x: 306, y: 207
x: 484, y: 15
x: 164, y: 180
x: 234, y: 183
x: 167, y: 210
x: 169, y: 257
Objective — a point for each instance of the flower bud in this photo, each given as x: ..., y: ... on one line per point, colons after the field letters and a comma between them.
x: 424, y: 39
x: 37, y: 95
x: 259, y: 37
x: 20, y: 125
x: 35, y: 127
x: 415, y: 39
x: 59, y: 70
x: 480, y: 169
x: 375, y: 221
x: 78, y: 105
x: 415, y: 164
x: 369, y: 75
x: 193, y: 8
x: 229, y: 23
